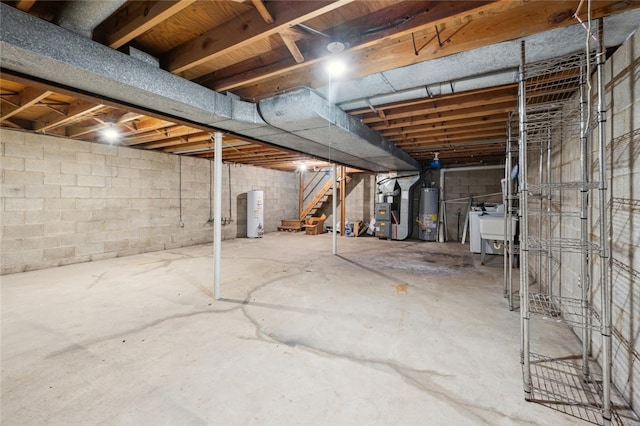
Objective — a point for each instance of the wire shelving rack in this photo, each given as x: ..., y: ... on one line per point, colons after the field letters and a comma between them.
x: 549, y: 113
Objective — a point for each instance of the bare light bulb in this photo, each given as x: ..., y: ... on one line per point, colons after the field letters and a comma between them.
x: 110, y: 134
x: 336, y: 67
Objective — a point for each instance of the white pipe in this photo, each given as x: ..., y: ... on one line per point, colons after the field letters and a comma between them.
x: 334, y: 227
x: 441, y: 229
x: 217, y: 216
x: 468, y: 168
x: 443, y: 210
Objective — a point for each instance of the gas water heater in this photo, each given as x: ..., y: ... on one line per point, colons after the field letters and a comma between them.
x: 428, y: 214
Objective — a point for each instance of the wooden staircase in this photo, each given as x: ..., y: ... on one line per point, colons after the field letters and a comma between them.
x: 323, y: 197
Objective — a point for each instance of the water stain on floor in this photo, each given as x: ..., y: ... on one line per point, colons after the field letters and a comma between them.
x: 401, y: 288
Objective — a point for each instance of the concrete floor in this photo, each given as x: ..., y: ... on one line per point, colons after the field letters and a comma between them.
x: 388, y: 333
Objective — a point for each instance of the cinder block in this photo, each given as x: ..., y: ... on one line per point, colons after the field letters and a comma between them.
x: 91, y: 181
x: 11, y: 163
x: 90, y: 226
x: 91, y: 204
x: 103, y: 256
x: 76, y: 215
x: 116, y: 246
x: 15, y: 217
x: 89, y: 248
x: 41, y: 216
x: 104, y: 214
x: 32, y: 165
x: 89, y: 158
x: 141, y: 164
x: 117, y: 203
x: 23, y: 151
x: 59, y: 253
x: 55, y: 155
x: 75, y: 192
x: 59, y: 179
x: 23, y: 204
x: 22, y: 231
x: 22, y: 178
x: 101, y: 170
x: 11, y: 190
x: 75, y: 168
x: 71, y: 145
x: 103, y: 149
x: 22, y: 259
x: 129, y: 152
x: 56, y: 228
x: 44, y: 191
x: 11, y: 245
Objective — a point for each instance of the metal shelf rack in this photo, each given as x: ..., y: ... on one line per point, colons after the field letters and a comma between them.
x: 549, y: 114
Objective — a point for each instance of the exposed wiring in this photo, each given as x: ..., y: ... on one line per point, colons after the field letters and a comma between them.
x: 590, y: 35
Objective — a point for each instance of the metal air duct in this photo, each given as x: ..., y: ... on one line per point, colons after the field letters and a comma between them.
x: 82, y: 17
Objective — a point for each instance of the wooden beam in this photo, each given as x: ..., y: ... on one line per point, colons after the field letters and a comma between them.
x: 291, y: 45
x: 242, y: 31
x: 28, y: 97
x: 446, y: 124
x: 490, y: 24
x: 161, y: 134
x: 76, y: 110
x: 25, y: 5
x: 437, y: 13
x: 137, y: 18
x: 300, y: 193
x: 487, y: 92
x: 443, y: 131
x: 443, y: 106
x: 461, y: 113
x: 262, y: 10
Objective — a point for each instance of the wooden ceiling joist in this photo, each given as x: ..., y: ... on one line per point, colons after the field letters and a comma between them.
x: 75, y: 111
x: 243, y: 31
x: 27, y: 98
x: 135, y: 19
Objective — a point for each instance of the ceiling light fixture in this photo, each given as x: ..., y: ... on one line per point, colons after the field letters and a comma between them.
x: 336, y: 67
x: 435, y: 163
x: 302, y: 167
x: 335, y: 46
x: 110, y: 134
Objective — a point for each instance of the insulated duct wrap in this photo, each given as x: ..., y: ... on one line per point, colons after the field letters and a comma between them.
x: 306, y: 114
x: 39, y: 49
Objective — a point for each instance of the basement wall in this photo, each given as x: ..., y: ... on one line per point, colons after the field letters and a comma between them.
x: 65, y: 201
x: 623, y: 210
x: 462, y: 184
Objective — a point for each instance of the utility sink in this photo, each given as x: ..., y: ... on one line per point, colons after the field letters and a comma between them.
x: 492, y: 226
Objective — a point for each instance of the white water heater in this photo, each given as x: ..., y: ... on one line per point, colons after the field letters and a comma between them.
x: 255, y: 214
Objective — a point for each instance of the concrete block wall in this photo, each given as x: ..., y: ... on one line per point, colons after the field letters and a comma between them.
x: 622, y: 97
x: 65, y: 201
x: 280, y: 196
x: 461, y: 184
x: 360, y: 197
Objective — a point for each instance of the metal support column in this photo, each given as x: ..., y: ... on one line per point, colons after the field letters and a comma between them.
x: 343, y: 200
x: 509, y: 214
x: 217, y: 215
x: 524, y: 231
x: 604, y: 249
x: 584, y: 226
x: 549, y: 217
x: 334, y: 206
